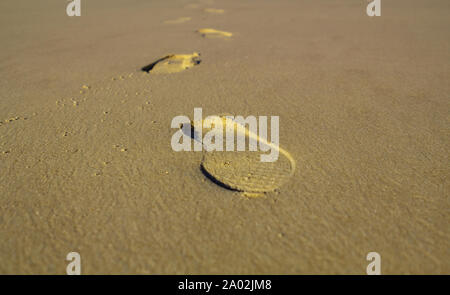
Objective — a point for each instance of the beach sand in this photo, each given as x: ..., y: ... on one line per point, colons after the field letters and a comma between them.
x: 86, y: 163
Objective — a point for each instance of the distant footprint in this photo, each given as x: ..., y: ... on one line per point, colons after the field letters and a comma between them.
x: 179, y: 20
x: 214, y: 10
x: 192, y: 5
x: 173, y: 63
x: 243, y: 170
x: 214, y: 33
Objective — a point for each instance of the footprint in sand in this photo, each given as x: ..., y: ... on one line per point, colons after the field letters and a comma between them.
x: 214, y: 10
x: 13, y: 119
x: 214, y: 33
x: 179, y: 20
x: 173, y: 63
x: 243, y: 171
x: 192, y: 6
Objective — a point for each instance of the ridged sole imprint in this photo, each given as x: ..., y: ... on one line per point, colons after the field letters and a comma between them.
x: 243, y: 170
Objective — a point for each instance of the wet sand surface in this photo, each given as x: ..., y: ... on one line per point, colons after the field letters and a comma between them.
x: 86, y: 163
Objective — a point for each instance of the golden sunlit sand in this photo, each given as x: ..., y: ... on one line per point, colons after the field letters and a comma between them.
x: 86, y: 163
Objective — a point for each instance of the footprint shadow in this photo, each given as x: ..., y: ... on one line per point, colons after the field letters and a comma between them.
x: 215, y: 181
x: 150, y: 67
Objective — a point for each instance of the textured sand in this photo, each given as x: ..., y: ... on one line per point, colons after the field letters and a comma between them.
x: 364, y: 110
